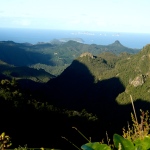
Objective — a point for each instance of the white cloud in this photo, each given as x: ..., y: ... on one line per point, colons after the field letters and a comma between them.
x: 25, y: 22
x: 22, y: 22
x: 75, y: 22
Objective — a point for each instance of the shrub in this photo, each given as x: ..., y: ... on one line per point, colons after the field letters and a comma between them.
x: 136, y: 137
x: 4, y: 141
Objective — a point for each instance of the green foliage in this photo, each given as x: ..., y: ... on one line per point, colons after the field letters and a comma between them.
x: 35, y: 74
x: 138, y: 130
x: 55, y: 70
x: 135, y: 138
x: 11, y: 92
x: 4, y: 141
x: 119, y: 142
x: 122, y: 143
x: 95, y: 146
x: 143, y: 144
x: 22, y: 148
x: 98, y: 65
x: 8, y: 90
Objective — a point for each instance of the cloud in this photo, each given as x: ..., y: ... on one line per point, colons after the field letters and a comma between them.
x: 25, y: 22
x: 22, y: 22
x: 84, y: 14
x: 2, y: 13
x: 99, y: 22
x: 75, y: 22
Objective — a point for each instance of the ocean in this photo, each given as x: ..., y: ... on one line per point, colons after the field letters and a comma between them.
x: 33, y: 36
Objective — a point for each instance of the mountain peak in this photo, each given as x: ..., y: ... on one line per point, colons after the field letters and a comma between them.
x: 117, y: 42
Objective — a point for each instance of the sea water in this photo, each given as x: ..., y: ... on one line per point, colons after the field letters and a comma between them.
x: 33, y: 36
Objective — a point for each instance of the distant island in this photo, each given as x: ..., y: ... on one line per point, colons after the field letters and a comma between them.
x: 79, y: 40
x: 63, y: 40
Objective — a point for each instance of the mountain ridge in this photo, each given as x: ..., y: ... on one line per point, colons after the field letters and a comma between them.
x: 49, y: 56
x: 100, y: 84
x: 96, y: 70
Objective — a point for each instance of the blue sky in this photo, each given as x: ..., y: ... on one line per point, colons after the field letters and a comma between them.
x: 89, y: 15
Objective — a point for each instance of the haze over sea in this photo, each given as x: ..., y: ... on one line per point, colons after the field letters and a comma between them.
x: 33, y: 36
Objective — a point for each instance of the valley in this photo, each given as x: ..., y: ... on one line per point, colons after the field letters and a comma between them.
x: 57, y: 86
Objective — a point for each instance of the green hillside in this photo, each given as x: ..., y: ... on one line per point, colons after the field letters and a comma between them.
x: 109, y: 77
x: 135, y: 75
x: 12, y: 72
x: 92, y: 92
x: 51, y: 57
x: 133, y: 71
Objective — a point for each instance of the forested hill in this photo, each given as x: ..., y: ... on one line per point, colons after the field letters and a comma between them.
x: 52, y: 57
x: 94, y: 82
x: 91, y: 84
x: 102, y: 85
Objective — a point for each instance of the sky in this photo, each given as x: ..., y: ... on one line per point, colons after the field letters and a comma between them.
x: 86, y: 15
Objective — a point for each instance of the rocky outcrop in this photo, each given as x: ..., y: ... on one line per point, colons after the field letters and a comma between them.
x: 138, y: 81
x: 87, y: 54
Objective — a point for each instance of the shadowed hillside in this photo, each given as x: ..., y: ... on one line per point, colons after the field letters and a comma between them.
x: 105, y: 91
x: 19, y: 54
x: 9, y: 72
